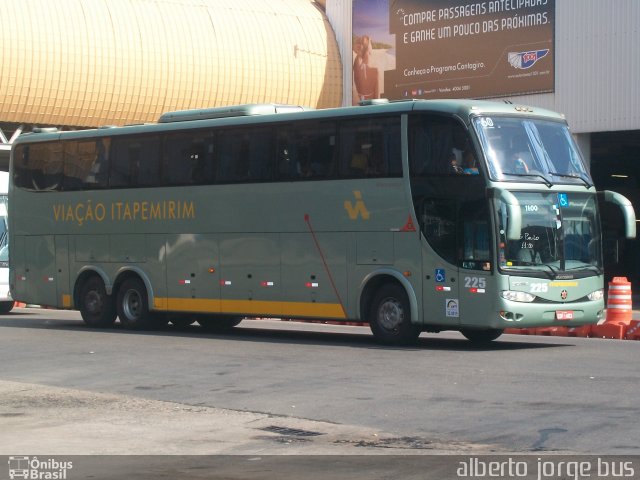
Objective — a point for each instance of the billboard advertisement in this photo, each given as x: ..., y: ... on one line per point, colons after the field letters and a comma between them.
x: 452, y: 48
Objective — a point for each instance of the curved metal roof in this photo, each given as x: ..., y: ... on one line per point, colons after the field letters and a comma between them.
x: 98, y: 62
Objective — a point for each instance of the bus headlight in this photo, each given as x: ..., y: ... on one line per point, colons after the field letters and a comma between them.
x: 515, y: 296
x: 597, y: 295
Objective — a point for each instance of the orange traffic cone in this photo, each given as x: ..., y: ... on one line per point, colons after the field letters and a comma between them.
x: 619, y: 310
x: 619, y: 303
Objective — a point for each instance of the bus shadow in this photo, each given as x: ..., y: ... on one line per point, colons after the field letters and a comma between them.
x: 290, y: 333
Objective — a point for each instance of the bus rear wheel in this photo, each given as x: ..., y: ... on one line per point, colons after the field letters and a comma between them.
x: 96, y: 307
x: 481, y: 336
x: 133, y: 305
x: 390, y: 316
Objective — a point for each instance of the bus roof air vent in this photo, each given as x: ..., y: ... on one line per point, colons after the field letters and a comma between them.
x: 227, y: 112
x: 44, y: 129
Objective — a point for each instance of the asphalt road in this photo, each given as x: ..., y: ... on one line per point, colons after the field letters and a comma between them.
x: 273, y: 387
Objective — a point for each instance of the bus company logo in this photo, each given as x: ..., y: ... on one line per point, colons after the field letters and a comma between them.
x: 564, y: 294
x: 359, y: 209
x: 524, y: 60
x: 564, y: 277
x: 33, y: 468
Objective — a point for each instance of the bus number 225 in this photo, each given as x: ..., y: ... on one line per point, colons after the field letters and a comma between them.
x: 475, y: 282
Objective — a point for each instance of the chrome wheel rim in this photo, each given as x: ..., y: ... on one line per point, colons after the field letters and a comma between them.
x: 93, y: 302
x: 390, y: 314
x: 132, y: 304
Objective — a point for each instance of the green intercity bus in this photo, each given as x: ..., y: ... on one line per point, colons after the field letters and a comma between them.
x: 411, y: 216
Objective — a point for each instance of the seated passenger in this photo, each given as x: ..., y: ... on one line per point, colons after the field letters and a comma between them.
x: 453, y: 164
x: 470, y: 166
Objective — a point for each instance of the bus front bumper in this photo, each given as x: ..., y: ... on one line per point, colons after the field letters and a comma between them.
x: 525, y: 315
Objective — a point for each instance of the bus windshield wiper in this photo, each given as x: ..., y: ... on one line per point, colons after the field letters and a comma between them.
x: 551, y: 273
x: 578, y: 177
x: 547, y: 182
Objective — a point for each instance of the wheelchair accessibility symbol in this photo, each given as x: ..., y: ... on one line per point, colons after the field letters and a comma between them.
x: 563, y: 199
x: 440, y: 276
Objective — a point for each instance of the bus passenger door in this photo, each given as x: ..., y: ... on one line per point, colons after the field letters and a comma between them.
x: 476, y: 278
x: 441, y: 301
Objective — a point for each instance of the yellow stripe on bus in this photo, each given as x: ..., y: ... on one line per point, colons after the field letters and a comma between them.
x: 257, y: 307
x: 66, y: 300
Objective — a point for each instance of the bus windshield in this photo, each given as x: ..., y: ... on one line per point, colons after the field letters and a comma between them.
x: 520, y: 149
x: 560, y: 233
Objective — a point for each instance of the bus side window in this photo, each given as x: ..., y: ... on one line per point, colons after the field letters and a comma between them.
x: 44, y: 162
x: 286, y: 158
x: 148, y: 166
x: 260, y: 152
x: 391, y: 148
x: 188, y: 158
x: 437, y: 219
x: 316, y: 146
x: 136, y: 161
x: 370, y: 147
x: 227, y: 153
x: 120, y: 175
x: 21, y: 171
x: 98, y: 176
x: 83, y: 161
x: 476, y: 249
x: 434, y: 143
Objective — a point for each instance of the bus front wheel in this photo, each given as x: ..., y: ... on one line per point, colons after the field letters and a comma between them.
x: 133, y: 305
x: 481, y: 336
x: 390, y: 316
x: 96, y: 307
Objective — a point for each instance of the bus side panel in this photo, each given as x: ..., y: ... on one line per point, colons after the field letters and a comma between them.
x: 64, y: 290
x: 156, y: 268
x: 408, y: 262
x: 478, y: 298
x: 91, y: 248
x: 440, y: 290
x: 311, y: 265
x: 17, y: 269
x: 192, y: 273
x: 250, y: 274
x: 130, y: 248
x: 41, y: 270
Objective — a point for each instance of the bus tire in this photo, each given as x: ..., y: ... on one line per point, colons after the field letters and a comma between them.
x: 219, y: 323
x: 96, y: 307
x: 133, y: 305
x: 481, y: 336
x: 6, y: 307
x: 390, y: 316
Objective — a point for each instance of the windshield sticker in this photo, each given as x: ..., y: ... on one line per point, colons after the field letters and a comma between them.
x: 563, y: 199
x: 556, y: 210
x: 486, y: 122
